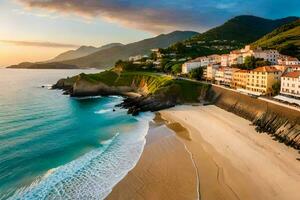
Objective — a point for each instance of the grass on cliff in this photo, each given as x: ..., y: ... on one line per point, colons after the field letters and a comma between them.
x: 153, y: 83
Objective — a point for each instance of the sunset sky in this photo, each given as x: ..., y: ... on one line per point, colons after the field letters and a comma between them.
x: 36, y: 30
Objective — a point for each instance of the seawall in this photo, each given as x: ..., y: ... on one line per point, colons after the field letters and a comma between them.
x: 281, y: 122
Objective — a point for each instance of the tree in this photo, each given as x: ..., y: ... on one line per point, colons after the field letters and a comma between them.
x: 176, y: 69
x: 250, y: 62
x: 276, y: 88
x: 196, y: 73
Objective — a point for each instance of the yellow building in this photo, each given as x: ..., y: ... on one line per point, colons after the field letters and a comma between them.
x: 261, y: 79
x: 240, y: 78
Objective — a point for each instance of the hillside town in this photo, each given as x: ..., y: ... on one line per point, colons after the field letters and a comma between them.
x: 280, y: 75
x: 220, y: 69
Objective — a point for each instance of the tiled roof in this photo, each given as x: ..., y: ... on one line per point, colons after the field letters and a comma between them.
x: 266, y: 69
x: 295, y: 74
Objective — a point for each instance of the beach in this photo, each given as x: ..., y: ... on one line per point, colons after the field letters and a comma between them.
x: 204, y: 152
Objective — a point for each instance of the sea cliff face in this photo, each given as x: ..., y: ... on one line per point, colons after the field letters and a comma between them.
x: 280, y: 122
x: 156, y: 91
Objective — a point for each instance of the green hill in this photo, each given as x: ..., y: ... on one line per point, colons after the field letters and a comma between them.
x: 286, y: 39
x: 243, y: 29
x: 233, y: 34
x: 106, y: 58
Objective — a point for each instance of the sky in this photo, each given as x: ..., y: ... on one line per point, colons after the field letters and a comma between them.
x: 38, y: 30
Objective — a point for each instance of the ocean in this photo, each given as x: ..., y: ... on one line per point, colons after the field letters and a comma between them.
x: 53, y: 146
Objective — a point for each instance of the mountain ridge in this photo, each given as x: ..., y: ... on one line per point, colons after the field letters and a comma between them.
x: 244, y: 28
x: 81, y: 51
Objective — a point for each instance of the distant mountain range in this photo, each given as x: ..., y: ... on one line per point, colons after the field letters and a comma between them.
x: 234, y: 33
x: 106, y: 56
x: 286, y: 39
x: 53, y: 65
x: 243, y: 29
x: 82, y: 51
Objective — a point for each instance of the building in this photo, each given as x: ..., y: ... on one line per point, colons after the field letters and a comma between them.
x: 237, y: 57
x: 228, y: 75
x: 290, y: 84
x: 268, y: 55
x: 135, y: 58
x: 225, y: 60
x: 261, y: 79
x: 157, y: 52
x: 193, y: 64
x: 240, y: 78
x: 210, y: 71
x: 202, y: 61
x: 219, y: 75
x: 288, y: 61
x: 293, y: 68
x: 214, y: 59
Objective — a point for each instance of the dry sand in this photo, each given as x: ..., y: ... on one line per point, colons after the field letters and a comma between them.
x: 231, y: 160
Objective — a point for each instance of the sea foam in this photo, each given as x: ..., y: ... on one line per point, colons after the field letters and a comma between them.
x: 93, y: 175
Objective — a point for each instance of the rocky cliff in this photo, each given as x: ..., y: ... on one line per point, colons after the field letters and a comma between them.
x: 156, y: 91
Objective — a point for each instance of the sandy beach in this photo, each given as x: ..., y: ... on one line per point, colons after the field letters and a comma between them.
x: 204, y: 152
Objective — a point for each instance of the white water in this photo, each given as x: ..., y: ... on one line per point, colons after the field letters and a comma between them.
x: 93, y: 175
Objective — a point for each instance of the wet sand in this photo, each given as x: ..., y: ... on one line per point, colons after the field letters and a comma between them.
x: 214, y: 155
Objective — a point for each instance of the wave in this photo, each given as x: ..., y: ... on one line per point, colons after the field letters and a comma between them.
x: 102, y: 111
x: 93, y: 175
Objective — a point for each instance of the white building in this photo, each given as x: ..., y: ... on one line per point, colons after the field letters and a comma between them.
x: 193, y: 64
x: 288, y: 60
x: 268, y: 55
x: 219, y: 76
x: 239, y: 56
x: 203, y: 61
x: 290, y: 84
x: 225, y: 60
x: 135, y: 58
x: 228, y: 75
x: 210, y: 71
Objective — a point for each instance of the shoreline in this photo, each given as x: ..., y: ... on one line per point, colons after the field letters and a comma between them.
x: 222, y: 151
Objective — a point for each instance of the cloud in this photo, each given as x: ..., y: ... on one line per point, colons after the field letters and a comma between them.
x: 164, y: 15
x: 38, y: 44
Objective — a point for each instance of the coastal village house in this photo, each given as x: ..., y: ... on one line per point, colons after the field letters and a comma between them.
x: 240, y: 78
x: 225, y: 60
x: 210, y: 71
x: 288, y: 61
x: 203, y: 61
x: 228, y: 75
x: 290, y: 84
x: 237, y: 57
x: 219, y: 76
x: 261, y: 79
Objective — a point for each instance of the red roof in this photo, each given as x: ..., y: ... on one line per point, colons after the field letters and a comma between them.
x: 266, y: 69
x: 295, y: 74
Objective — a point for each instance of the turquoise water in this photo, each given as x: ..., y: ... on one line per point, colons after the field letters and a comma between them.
x: 56, y: 147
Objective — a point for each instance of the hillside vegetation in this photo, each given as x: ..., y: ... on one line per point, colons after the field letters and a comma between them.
x: 145, y: 82
x: 233, y: 34
x: 243, y: 29
x: 286, y: 39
